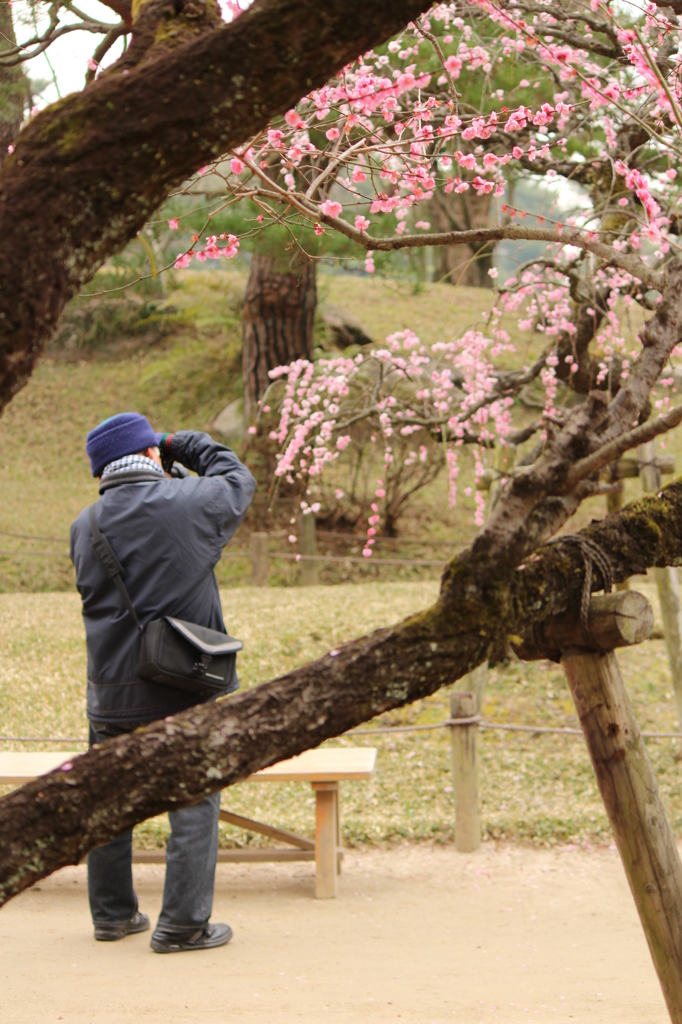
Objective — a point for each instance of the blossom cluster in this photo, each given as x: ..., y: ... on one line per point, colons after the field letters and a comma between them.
x: 405, y: 393
x: 211, y: 251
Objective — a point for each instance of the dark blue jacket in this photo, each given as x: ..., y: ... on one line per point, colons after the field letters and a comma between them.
x: 168, y: 535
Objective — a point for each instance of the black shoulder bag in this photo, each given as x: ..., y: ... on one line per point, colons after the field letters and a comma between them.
x: 175, y: 653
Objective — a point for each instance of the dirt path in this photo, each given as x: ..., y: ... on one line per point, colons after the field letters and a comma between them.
x: 416, y: 935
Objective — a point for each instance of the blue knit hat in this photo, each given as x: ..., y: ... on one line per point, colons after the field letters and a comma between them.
x: 123, y: 434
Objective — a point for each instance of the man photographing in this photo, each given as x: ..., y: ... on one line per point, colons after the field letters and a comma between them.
x: 144, y: 556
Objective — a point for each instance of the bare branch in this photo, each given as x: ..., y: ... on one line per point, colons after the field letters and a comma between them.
x: 104, y: 47
x: 441, y: 57
x: 21, y: 55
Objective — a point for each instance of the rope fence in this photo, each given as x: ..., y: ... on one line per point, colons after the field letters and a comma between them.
x: 448, y: 723
x: 261, y: 557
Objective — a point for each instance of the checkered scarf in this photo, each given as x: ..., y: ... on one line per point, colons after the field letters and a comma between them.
x: 131, y: 464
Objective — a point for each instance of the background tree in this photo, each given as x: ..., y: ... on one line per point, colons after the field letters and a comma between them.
x: 278, y: 319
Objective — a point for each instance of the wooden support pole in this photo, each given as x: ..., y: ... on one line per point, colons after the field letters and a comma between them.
x: 260, y: 563
x: 307, y: 543
x: 632, y: 799
x: 624, y: 774
x: 465, y: 772
x: 667, y: 584
x: 469, y: 695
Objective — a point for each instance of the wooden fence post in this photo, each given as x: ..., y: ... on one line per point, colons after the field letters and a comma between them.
x: 260, y: 562
x: 307, y: 543
x: 667, y: 584
x: 624, y: 774
x: 465, y: 772
x: 470, y: 696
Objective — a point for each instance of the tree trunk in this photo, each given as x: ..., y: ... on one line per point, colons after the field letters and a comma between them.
x: 278, y: 320
x: 88, y: 172
x: 56, y: 819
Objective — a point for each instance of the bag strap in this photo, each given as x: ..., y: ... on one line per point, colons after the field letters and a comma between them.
x: 110, y: 564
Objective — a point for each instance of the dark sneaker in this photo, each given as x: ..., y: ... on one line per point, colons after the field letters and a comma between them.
x: 208, y: 937
x: 118, y: 930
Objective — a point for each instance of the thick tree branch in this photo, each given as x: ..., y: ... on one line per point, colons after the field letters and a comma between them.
x: 121, y: 7
x: 612, y: 451
x: 56, y: 819
x: 88, y: 171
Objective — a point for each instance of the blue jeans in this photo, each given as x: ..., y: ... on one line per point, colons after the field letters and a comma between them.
x: 191, y: 856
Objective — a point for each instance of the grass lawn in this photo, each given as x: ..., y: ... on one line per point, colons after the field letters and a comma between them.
x: 536, y: 789
x: 185, y: 381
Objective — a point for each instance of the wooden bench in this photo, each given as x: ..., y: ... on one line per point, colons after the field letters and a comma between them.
x: 324, y: 769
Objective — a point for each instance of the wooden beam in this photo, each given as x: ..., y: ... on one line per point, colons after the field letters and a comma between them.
x: 664, y: 464
x: 307, y: 544
x: 614, y: 620
x: 667, y: 584
x: 251, y: 825
x: 263, y: 855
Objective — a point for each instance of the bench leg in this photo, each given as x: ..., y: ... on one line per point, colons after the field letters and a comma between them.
x: 326, y: 829
x: 339, y: 836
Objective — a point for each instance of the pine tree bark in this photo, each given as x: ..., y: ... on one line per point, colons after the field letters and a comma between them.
x: 278, y: 321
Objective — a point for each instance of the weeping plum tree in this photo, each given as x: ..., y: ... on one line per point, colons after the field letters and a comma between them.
x: 398, y: 130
